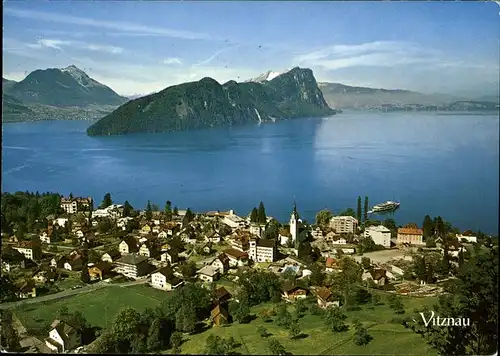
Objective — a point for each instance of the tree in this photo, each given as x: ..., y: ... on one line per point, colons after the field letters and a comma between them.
x: 366, y: 263
x: 294, y: 329
x: 84, y: 275
x: 107, y: 201
x: 334, y: 319
x: 472, y: 298
x: 365, y: 212
x: 358, y: 210
x: 254, y: 215
x: 349, y: 277
x: 185, y: 319
x: 391, y: 225
x: 153, y: 341
x: 106, y: 343
x: 176, y: 341
x: 176, y: 211
x: 396, y: 304
x: 427, y: 227
x: 262, y: 331
x: 126, y: 324
x: 127, y: 209
x: 361, y: 336
x: 188, y: 269
x: 240, y: 311
x: 138, y: 344
x: 283, y: 317
x: 9, y: 337
x: 215, y: 345
x: 189, y: 215
x: 7, y: 288
x: 272, y: 230
x: 261, y: 214
x: 168, y: 210
x: 323, y: 217
x: 348, y: 212
x: 460, y: 258
x: 149, y: 211
x: 300, y: 308
x: 275, y: 347
x: 317, y: 276
x: 420, y: 268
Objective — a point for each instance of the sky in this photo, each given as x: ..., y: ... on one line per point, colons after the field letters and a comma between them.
x: 138, y: 47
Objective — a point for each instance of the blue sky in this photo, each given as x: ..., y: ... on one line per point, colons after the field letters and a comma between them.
x: 139, y: 47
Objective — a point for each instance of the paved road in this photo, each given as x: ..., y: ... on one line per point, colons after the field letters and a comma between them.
x: 86, y: 289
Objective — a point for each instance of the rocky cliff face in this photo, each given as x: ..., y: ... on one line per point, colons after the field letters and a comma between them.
x: 207, y: 103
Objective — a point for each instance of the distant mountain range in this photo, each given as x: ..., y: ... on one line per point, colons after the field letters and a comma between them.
x: 67, y: 93
x: 206, y: 103
x: 350, y: 97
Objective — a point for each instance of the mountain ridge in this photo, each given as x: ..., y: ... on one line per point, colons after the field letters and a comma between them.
x: 207, y: 103
x: 63, y: 87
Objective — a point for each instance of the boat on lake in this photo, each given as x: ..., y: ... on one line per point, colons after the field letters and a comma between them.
x: 385, y: 206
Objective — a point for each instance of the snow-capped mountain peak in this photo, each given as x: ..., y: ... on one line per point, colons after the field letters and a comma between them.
x: 80, y: 76
x: 267, y: 76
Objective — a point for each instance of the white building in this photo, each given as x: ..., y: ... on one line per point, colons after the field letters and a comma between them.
x: 257, y: 229
x: 60, y: 221
x: 344, y: 224
x: 469, y: 238
x: 262, y: 250
x: 208, y: 274
x: 340, y: 241
x: 70, y: 205
x: 233, y: 221
x: 379, y: 234
x: 294, y: 224
x: 165, y: 280
x: 63, y: 337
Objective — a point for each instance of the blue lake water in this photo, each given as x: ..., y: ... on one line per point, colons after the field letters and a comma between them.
x: 444, y: 165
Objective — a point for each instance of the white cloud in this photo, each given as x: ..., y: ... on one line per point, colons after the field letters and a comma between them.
x: 385, y: 54
x: 216, y: 55
x: 121, y: 26
x: 173, y: 60
x: 48, y: 43
x: 60, y: 44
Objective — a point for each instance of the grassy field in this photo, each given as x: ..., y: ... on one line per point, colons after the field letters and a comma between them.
x: 99, y: 307
x: 389, y: 337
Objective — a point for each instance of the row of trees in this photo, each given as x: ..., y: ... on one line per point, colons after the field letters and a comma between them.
x: 472, y: 296
x: 23, y: 211
x: 258, y: 215
x: 363, y: 213
x: 159, y: 328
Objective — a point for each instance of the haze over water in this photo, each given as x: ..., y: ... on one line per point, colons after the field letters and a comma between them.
x: 444, y: 165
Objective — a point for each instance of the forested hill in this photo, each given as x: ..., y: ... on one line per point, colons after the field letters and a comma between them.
x: 206, y: 103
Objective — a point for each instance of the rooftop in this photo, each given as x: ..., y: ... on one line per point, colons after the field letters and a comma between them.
x: 132, y: 259
x: 379, y: 228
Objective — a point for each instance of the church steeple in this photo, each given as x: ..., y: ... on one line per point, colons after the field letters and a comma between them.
x: 294, y: 223
x: 295, y: 215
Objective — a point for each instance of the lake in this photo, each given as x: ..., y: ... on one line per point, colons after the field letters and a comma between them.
x: 433, y: 164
